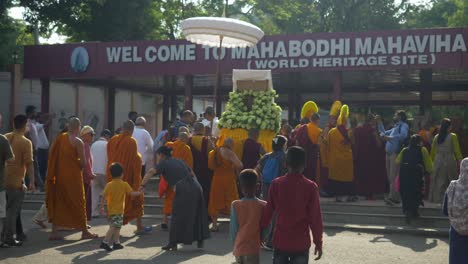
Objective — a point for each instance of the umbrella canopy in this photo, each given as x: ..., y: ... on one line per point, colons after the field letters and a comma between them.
x: 209, y: 31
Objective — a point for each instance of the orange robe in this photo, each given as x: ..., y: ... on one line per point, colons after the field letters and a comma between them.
x: 122, y: 148
x: 181, y: 151
x: 224, y: 185
x: 65, y: 197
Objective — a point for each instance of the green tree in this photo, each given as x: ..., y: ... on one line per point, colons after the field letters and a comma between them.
x: 460, y: 17
x: 435, y: 14
x: 14, y: 34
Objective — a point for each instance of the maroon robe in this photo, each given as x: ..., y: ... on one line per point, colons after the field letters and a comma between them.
x: 200, y: 167
x: 312, y: 152
x: 251, y: 153
x: 370, y: 173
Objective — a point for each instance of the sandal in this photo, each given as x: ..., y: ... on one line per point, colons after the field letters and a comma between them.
x: 214, y: 228
x: 39, y: 223
x: 89, y: 236
x: 145, y: 230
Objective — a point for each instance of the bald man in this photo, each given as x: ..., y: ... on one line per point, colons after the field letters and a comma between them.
x: 122, y: 148
x: 144, y: 144
x: 65, y: 196
x: 225, y: 165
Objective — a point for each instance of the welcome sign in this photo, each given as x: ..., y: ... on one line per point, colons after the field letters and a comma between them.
x: 430, y: 48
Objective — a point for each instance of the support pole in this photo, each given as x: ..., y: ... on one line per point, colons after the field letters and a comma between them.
x: 15, y: 86
x: 111, y: 108
x: 166, y: 106
x: 338, y: 86
x: 188, y: 100
x: 217, y: 84
x: 45, y: 95
x: 425, y: 92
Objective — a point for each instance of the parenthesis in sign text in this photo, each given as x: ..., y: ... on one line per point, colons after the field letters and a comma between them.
x: 249, y: 63
x: 433, y: 57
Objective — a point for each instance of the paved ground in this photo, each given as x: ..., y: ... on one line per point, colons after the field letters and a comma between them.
x: 340, y: 247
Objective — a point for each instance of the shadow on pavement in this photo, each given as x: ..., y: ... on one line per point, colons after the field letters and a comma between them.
x: 416, y: 243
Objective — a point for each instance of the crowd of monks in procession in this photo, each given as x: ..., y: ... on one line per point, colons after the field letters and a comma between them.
x: 343, y: 162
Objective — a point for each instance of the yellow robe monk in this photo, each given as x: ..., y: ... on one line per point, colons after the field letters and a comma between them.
x: 65, y: 198
x: 340, y: 162
x: 223, y: 186
x: 180, y: 150
x: 122, y: 148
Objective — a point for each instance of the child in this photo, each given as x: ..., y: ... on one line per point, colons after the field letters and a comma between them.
x: 115, y: 193
x: 245, y: 220
x: 295, y: 200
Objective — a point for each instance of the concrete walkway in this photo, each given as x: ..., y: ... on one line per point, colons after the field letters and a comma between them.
x: 340, y: 247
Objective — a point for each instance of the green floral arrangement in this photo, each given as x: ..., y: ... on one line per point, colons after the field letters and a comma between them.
x: 250, y: 109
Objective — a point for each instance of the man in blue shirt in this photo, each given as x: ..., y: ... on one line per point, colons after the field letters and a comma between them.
x: 186, y: 119
x: 394, y: 139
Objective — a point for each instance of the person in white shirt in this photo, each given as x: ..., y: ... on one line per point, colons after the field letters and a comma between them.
x: 144, y: 143
x: 32, y: 134
x: 42, y: 144
x: 211, y: 122
x: 99, y: 153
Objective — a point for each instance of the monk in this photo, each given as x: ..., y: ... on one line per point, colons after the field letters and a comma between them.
x: 201, y: 146
x: 308, y: 138
x: 340, y: 159
x: 122, y: 148
x: 332, y: 118
x: 252, y: 150
x: 65, y: 196
x: 180, y: 150
x: 369, y: 159
x: 226, y: 166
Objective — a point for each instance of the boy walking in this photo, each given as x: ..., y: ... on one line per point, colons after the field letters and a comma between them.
x: 115, y: 193
x: 295, y: 199
x: 245, y: 220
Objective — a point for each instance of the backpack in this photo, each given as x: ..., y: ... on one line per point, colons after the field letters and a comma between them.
x: 271, y: 170
x: 405, y: 142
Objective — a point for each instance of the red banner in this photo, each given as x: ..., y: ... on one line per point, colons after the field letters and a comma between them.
x: 399, y: 49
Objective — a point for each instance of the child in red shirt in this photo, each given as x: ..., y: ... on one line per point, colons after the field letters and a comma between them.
x: 295, y: 199
x: 245, y: 220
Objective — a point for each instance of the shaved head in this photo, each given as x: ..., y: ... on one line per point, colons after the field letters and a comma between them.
x: 229, y: 143
x: 184, y: 137
x: 183, y: 129
x: 128, y: 126
x: 199, y: 129
x: 74, y: 125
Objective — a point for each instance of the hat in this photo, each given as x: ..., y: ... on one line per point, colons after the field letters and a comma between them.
x: 140, y: 120
x: 335, y: 109
x: 344, y: 113
x: 308, y: 109
x: 86, y: 130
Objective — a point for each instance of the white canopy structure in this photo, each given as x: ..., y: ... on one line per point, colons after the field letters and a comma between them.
x: 210, y: 31
x: 220, y: 32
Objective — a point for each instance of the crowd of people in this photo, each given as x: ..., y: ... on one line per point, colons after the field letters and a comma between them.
x: 202, y: 177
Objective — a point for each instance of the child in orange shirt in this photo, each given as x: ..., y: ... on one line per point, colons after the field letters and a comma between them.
x: 245, y: 220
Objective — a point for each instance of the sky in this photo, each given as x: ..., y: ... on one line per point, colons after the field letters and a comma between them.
x: 17, y: 13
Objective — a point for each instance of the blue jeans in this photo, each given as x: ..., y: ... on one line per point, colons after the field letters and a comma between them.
x: 280, y: 257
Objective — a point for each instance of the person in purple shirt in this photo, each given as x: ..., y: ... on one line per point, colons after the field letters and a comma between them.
x: 394, y: 139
